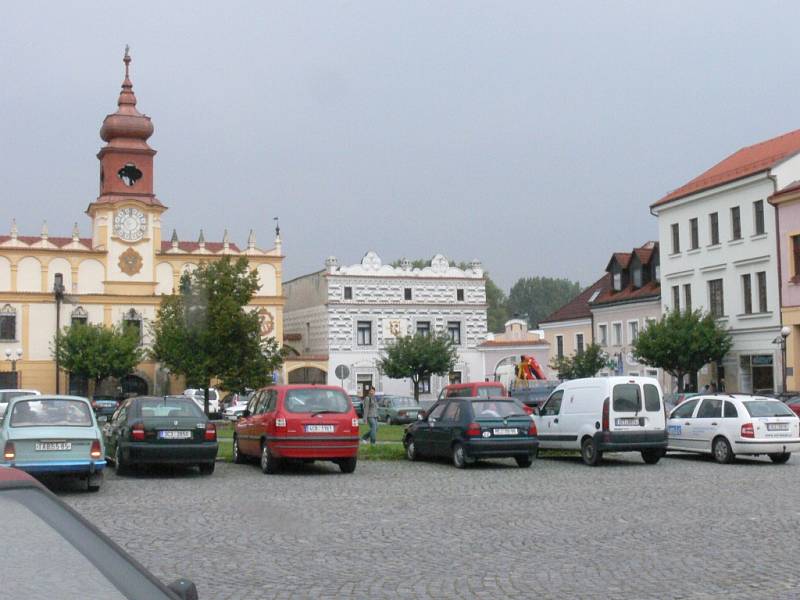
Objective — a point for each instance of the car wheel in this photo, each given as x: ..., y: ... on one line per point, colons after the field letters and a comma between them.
x: 459, y: 456
x: 207, y: 468
x: 348, y: 465
x: 651, y: 457
x: 238, y: 458
x: 93, y: 482
x: 589, y: 453
x: 722, y: 452
x: 779, y: 459
x: 269, y: 464
x: 524, y: 462
x: 120, y: 466
x: 411, y: 449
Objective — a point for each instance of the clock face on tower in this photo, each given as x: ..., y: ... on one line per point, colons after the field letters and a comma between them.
x: 130, y: 224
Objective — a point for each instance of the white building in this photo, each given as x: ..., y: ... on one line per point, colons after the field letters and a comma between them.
x: 718, y: 254
x: 347, y: 315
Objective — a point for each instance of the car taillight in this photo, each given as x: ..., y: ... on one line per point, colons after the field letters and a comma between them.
x: 532, y: 430
x: 280, y: 422
x: 211, y: 432
x: 137, y: 432
x: 605, y: 415
x: 355, y: 422
x: 528, y: 410
x: 95, y: 451
x: 748, y: 431
x: 9, y: 453
x: 473, y: 430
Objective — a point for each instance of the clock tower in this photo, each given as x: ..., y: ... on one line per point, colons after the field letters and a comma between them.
x: 126, y: 217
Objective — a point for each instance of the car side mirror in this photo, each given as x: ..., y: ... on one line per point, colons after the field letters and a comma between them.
x: 535, y: 410
x: 184, y: 589
x: 421, y: 416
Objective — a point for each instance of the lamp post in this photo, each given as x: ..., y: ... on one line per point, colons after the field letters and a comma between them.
x: 58, y: 294
x: 785, y: 331
x: 13, y: 356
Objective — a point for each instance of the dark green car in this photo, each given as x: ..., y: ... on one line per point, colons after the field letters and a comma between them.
x: 160, y: 430
x: 468, y: 429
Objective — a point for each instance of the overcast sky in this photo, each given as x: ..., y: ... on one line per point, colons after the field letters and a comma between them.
x: 528, y: 135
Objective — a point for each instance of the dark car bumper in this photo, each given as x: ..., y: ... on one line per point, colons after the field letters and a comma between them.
x: 166, y: 454
x: 500, y: 448
x: 623, y: 441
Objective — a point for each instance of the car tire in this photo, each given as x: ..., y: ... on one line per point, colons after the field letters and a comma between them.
x: 411, y: 449
x: 207, y: 468
x: 459, y: 456
x: 93, y: 482
x: 589, y: 452
x: 120, y: 466
x: 651, y: 457
x: 238, y: 458
x: 348, y: 465
x: 523, y: 462
x: 781, y: 458
x: 269, y: 464
x: 721, y: 450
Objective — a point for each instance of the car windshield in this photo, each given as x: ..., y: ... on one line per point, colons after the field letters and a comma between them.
x: 493, y: 409
x: 169, y: 407
x: 403, y: 402
x: 767, y: 408
x: 316, y: 400
x: 52, y: 412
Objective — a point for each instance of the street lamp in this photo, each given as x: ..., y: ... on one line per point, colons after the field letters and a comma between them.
x: 781, y: 339
x: 58, y: 294
x: 13, y: 356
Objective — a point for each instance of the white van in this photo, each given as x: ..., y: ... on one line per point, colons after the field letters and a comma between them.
x: 615, y: 414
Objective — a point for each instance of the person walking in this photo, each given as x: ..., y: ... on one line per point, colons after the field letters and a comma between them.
x: 370, y: 412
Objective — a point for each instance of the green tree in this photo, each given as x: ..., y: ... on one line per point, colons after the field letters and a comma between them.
x: 205, y: 332
x: 96, y: 352
x: 537, y: 297
x: 580, y: 364
x: 681, y: 343
x: 417, y: 357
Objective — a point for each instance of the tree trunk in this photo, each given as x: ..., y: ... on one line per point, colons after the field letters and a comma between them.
x: 680, y: 377
x: 415, y: 381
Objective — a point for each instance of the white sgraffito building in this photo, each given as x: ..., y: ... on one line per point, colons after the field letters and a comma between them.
x: 348, y: 315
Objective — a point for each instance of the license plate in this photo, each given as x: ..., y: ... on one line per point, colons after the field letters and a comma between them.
x: 175, y: 435
x: 52, y: 446
x: 777, y: 427
x: 319, y: 428
x: 626, y: 422
x: 512, y: 431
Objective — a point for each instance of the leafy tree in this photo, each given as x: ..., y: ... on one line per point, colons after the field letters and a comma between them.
x: 205, y: 332
x: 581, y: 364
x: 537, y: 297
x: 681, y: 343
x: 417, y: 357
x: 96, y: 352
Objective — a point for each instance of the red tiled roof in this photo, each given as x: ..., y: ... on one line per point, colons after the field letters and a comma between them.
x: 651, y: 289
x: 60, y: 242
x: 192, y: 246
x: 503, y: 343
x: 578, y: 307
x: 645, y: 253
x: 747, y: 161
x: 792, y: 187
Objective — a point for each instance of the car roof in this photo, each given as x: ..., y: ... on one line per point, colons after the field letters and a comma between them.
x: 304, y: 386
x: 30, y: 392
x: 8, y: 475
x: 48, y: 397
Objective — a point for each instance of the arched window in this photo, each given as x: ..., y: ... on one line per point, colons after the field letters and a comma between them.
x: 132, y: 321
x: 79, y: 316
x: 8, y: 323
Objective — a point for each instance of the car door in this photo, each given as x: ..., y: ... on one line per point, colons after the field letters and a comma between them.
x: 114, y: 429
x: 244, y: 427
x: 261, y: 418
x: 547, y: 423
x: 679, y: 426
x: 706, y: 424
x: 425, y: 433
x: 443, y: 431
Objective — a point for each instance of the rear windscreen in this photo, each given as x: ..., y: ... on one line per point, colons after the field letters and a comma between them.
x: 44, y: 413
x: 487, y: 391
x: 767, y: 408
x: 316, y: 400
x: 493, y: 409
x: 652, y: 399
x: 627, y: 398
x: 169, y: 407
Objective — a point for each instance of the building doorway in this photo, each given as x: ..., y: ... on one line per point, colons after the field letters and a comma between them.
x: 133, y: 385
x: 757, y: 373
x: 8, y: 380
x: 364, y: 382
x: 308, y: 375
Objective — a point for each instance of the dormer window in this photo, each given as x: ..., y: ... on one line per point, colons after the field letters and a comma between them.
x: 637, y: 277
x: 616, y: 277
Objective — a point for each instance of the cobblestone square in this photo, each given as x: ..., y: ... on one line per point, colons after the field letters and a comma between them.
x: 685, y: 528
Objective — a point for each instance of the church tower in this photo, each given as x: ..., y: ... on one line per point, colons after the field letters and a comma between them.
x: 126, y: 217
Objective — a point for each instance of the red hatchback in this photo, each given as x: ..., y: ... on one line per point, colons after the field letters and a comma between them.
x: 298, y: 422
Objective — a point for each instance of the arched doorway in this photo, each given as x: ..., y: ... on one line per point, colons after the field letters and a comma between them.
x: 308, y: 375
x: 133, y: 385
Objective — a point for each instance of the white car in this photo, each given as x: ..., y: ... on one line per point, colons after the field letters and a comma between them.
x: 237, y: 407
x: 6, y: 395
x: 726, y: 425
x: 198, y: 396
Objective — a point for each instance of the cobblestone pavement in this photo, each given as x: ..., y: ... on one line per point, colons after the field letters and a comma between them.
x: 685, y: 528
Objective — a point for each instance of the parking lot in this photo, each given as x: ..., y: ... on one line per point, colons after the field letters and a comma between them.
x: 685, y: 528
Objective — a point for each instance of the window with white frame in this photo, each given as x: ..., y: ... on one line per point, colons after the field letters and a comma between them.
x: 424, y: 385
x: 364, y: 333
x: 348, y: 292
x: 579, y: 343
x: 560, y: 346
x: 132, y: 323
x: 651, y: 373
x: 79, y: 316
x: 454, y: 331
x: 8, y: 323
x: 424, y: 328
x: 617, y: 329
x: 633, y: 330
x: 602, y: 334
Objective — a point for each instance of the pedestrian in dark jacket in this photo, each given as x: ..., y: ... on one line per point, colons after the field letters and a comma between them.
x: 370, y: 412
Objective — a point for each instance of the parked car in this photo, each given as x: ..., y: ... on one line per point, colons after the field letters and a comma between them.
x: 600, y: 414
x: 728, y: 425
x: 42, y: 535
x: 476, y: 389
x: 532, y: 397
x: 794, y: 404
x: 467, y: 429
x: 199, y: 397
x: 398, y: 409
x: 160, y: 430
x: 6, y: 395
x: 676, y: 398
x: 54, y: 435
x: 234, y: 405
x: 300, y: 422
x: 104, y: 406
x: 358, y: 404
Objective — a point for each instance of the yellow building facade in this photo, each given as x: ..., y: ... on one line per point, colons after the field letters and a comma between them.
x: 116, y: 275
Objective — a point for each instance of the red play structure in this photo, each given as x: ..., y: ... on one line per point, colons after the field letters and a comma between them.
x: 529, y: 369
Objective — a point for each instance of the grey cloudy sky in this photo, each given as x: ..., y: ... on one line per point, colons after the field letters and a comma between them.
x: 530, y: 135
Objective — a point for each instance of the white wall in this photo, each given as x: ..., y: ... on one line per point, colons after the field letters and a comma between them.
x: 164, y: 277
x: 91, y: 275
x: 29, y: 275
x: 5, y: 274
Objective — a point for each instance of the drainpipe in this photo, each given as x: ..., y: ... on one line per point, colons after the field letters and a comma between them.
x: 772, y: 178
